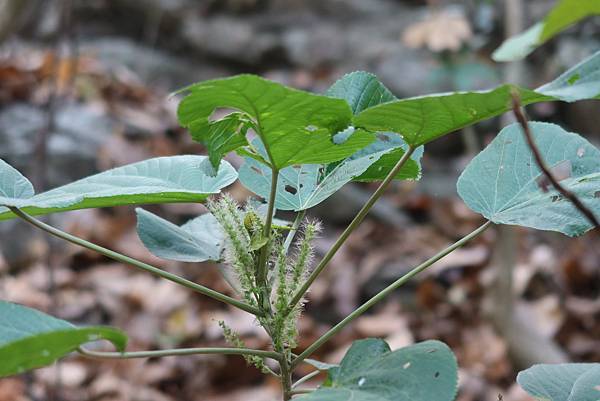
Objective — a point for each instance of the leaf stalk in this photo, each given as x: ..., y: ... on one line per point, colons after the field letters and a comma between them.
x: 351, y: 227
x: 387, y: 291
x: 136, y: 263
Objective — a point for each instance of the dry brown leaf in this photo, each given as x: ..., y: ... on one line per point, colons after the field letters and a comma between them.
x: 438, y: 32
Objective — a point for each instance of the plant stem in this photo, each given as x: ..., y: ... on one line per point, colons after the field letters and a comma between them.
x: 293, y: 230
x: 178, y: 352
x: 136, y: 263
x: 261, y: 271
x: 351, y: 227
x: 306, y: 378
x: 302, y: 391
x: 385, y: 292
x: 286, y: 378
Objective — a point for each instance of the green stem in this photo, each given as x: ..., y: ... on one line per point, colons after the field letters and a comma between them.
x: 306, y: 378
x: 351, y: 227
x: 286, y: 378
x: 302, y: 391
x: 136, y: 263
x: 385, y: 292
x: 261, y: 271
x: 293, y: 230
x: 178, y: 352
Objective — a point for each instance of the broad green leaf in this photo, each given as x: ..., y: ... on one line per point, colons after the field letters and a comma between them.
x: 198, y: 240
x: 504, y: 184
x: 422, y: 119
x: 361, y: 90
x: 159, y: 180
x: 393, y: 147
x: 222, y: 137
x: 578, y: 83
x: 371, y: 372
x: 562, y: 382
x: 304, y: 186
x: 563, y: 15
x: 30, y: 339
x: 296, y: 127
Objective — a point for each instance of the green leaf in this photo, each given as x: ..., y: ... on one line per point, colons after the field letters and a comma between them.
x: 504, y: 184
x: 371, y: 372
x: 394, y: 147
x: 422, y: 119
x: 296, y: 127
x: 198, y: 240
x: 361, y: 90
x: 563, y: 15
x: 562, y: 382
x: 520, y: 46
x: 159, y: 180
x: 578, y: 83
x: 13, y: 185
x: 304, y: 186
x: 222, y: 137
x: 30, y: 339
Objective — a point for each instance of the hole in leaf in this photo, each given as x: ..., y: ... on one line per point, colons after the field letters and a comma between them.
x: 556, y: 198
x: 431, y: 351
x: 406, y: 365
x: 291, y: 189
x: 580, y: 152
x: 436, y: 375
x: 573, y: 79
x: 383, y: 137
x: 311, y: 128
x: 561, y: 171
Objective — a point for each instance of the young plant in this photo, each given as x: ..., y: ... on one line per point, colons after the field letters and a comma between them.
x: 299, y: 149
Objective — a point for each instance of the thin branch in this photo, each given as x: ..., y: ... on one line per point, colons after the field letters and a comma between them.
x: 306, y: 378
x: 178, y: 352
x: 136, y: 263
x: 293, y: 230
x: 516, y: 106
x: 262, y: 268
x: 351, y: 227
x: 385, y: 292
x: 302, y: 391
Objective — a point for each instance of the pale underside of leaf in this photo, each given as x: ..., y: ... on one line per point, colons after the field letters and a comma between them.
x: 562, y: 382
x: 504, y: 183
x: 198, y: 240
x: 160, y: 180
x: 565, y: 14
x: 304, y: 186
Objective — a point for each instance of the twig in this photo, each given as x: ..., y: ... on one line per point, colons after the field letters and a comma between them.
x: 516, y: 106
x: 136, y: 263
x: 178, y: 352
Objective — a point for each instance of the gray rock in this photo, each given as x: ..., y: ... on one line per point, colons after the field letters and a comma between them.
x: 72, y: 149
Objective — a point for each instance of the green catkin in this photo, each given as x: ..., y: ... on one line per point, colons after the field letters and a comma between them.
x: 237, y: 252
x: 281, y: 299
x: 235, y: 340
